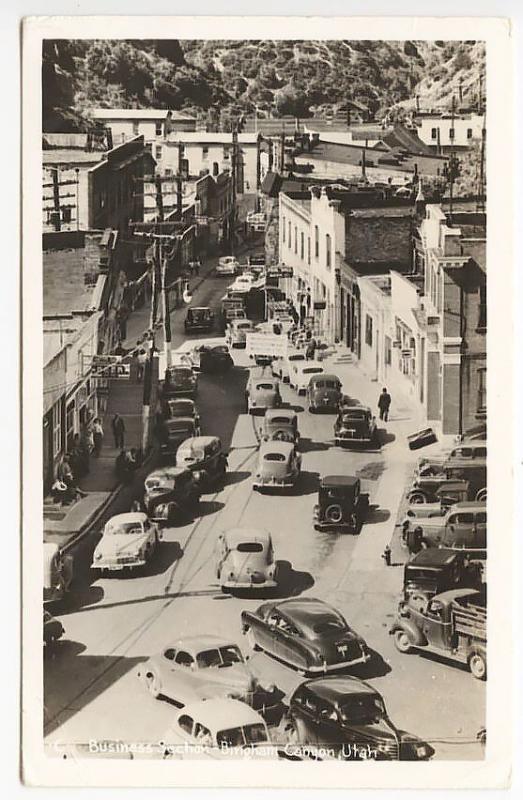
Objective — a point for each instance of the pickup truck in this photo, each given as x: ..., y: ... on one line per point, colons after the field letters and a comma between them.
x: 452, y: 624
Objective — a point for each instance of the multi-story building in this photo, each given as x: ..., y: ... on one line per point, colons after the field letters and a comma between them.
x: 443, y: 132
x: 154, y: 124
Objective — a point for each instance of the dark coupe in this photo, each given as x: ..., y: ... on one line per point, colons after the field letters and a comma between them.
x: 216, y: 359
x: 356, y: 425
x: 307, y: 634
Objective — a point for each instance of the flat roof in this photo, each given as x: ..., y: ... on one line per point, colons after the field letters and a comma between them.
x: 64, y: 288
x: 137, y: 113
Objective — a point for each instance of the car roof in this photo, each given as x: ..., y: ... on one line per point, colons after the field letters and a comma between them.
x: 469, y: 463
x: 327, y: 376
x: 271, y: 413
x: 356, y: 407
x: 330, y: 688
x: 198, y: 308
x: 198, y: 441
x: 222, y: 713
x: 472, y: 505
x: 306, y: 611
x: 276, y: 447
x: 339, y: 480
x: 306, y: 364
x: 433, y: 557
x: 199, y: 641
x: 129, y: 516
x: 237, y: 535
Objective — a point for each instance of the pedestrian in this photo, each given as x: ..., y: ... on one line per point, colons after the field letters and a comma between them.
x: 384, y: 402
x: 197, y: 265
x: 87, y: 437
x: 118, y: 426
x: 311, y: 349
x: 141, y: 359
x: 386, y: 556
x: 98, y: 436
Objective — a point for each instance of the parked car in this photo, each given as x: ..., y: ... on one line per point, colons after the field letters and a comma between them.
x: 434, y: 479
x: 171, y: 494
x: 219, y: 727
x: 306, y: 634
x: 216, y: 360
x: 199, y: 319
x: 467, y: 450
x: 227, y: 265
x: 181, y: 407
x: 324, y: 393
x: 58, y: 572
x: 301, y: 373
x: 245, y: 560
x: 356, y: 425
x: 282, y: 366
x: 452, y: 624
x: 463, y: 527
x: 341, y: 504
x: 237, y: 331
x: 128, y: 541
x: 278, y: 466
x: 232, y: 308
x: 172, y: 432
x: 204, y: 667
x: 437, y: 491
x: 437, y: 570
x: 243, y: 283
x: 263, y: 393
x: 178, y: 382
x: 205, y: 456
x: 280, y: 424
x: 53, y: 629
x: 345, y: 718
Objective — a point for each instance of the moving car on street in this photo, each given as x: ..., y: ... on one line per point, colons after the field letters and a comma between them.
x: 345, y: 718
x: 437, y: 570
x: 237, y: 331
x: 205, y: 457
x: 341, y: 504
x: 301, y: 373
x: 227, y: 265
x: 182, y: 408
x: 216, y: 360
x: 452, y: 624
x: 280, y: 424
x: 278, y: 466
x: 199, y: 319
x: 171, y: 494
x: 203, y: 667
x: 282, y: 366
x: 356, y: 425
x: 178, y: 382
x: 307, y: 634
x: 263, y: 393
x: 463, y: 527
x: 128, y: 541
x: 324, y: 393
x: 53, y: 629
x: 245, y: 560
x: 172, y: 432
x: 243, y: 282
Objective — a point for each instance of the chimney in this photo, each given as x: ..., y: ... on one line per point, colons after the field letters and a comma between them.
x: 420, y: 200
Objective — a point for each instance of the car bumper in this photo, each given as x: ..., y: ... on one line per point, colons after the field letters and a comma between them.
x: 273, y: 483
x: 269, y: 583
x: 118, y: 567
x: 323, y: 523
x: 346, y: 439
x: 322, y: 669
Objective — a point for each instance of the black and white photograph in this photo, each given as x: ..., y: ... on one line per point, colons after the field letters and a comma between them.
x: 263, y: 403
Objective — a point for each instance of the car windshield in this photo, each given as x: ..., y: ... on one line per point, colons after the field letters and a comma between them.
x: 265, y: 386
x: 181, y: 408
x: 192, y: 455
x: 280, y: 421
x: 239, y: 737
x: 249, y: 547
x: 312, y: 371
x: 355, y: 414
x: 329, y: 625
x: 125, y: 528
x: 181, y: 374
x: 219, y: 657
x: 243, y: 326
x: 364, y: 709
x: 179, y: 424
x: 297, y: 357
x: 221, y: 350
x: 274, y: 457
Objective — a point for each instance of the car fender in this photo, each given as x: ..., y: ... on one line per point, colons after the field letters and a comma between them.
x: 477, y: 647
x: 416, y: 636
x: 249, y: 620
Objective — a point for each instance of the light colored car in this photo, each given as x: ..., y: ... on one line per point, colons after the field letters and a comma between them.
x: 263, y: 393
x: 219, y: 728
x: 227, y: 265
x: 301, y: 373
x: 282, y: 367
x: 243, y: 282
x: 278, y: 467
x: 237, y: 331
x: 245, y: 560
x: 128, y: 541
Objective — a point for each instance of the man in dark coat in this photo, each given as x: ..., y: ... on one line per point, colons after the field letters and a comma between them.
x: 118, y: 426
x: 384, y: 402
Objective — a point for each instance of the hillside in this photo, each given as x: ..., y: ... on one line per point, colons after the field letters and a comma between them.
x: 220, y: 79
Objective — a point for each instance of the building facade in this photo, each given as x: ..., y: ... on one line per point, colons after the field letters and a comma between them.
x: 154, y: 124
x: 444, y: 131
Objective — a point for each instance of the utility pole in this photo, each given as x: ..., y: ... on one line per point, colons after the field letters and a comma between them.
x: 56, y: 198
x: 481, y: 189
x: 179, y: 184
x: 234, y: 160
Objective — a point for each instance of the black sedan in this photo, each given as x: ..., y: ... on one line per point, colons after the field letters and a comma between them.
x: 178, y: 382
x: 216, y: 359
x: 345, y: 718
x: 306, y: 634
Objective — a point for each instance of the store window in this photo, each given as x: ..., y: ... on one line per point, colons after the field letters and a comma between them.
x: 57, y: 429
x: 316, y: 242
x: 308, y: 249
x: 296, y: 239
x: 302, y: 245
x: 451, y: 133
x: 69, y: 424
x: 434, y: 133
x: 158, y: 152
x: 388, y: 351
x: 283, y: 231
x: 469, y: 133
x: 368, y: 330
x: 290, y: 235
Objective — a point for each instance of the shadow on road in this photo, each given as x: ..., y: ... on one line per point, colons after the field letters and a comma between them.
x: 385, y: 437
x: 307, y: 484
x: 166, y: 554
x: 236, y: 477
x: 310, y: 446
x: 207, y: 507
x: 376, y: 515
x: 376, y: 667
x: 296, y: 583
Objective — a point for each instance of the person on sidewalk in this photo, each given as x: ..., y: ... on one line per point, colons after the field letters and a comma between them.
x: 98, y: 436
x: 142, y: 359
x: 384, y: 402
x: 118, y: 426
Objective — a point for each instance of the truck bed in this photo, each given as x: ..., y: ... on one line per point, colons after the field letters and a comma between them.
x: 470, y: 620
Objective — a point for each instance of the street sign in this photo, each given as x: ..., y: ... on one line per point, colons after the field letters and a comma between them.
x: 266, y: 344
x: 109, y: 366
x: 279, y: 272
x: 319, y: 305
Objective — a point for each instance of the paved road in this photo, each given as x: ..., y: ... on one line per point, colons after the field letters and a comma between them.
x: 112, y: 624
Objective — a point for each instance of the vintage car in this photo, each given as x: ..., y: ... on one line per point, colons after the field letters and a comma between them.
x: 172, y: 432
x: 452, y: 624
x: 216, y: 359
x: 198, y: 319
x: 301, y: 373
x: 178, y: 382
x: 341, y: 717
x: 53, y: 629
x: 467, y: 450
x: 230, y: 313
x: 227, y: 265
x: 181, y: 407
x: 280, y: 424
x: 218, y: 728
x: 457, y: 480
x: 278, y: 467
x: 263, y: 393
x: 356, y: 425
x: 170, y: 495
x: 437, y: 570
x: 128, y: 541
x: 245, y: 560
x: 282, y: 366
x: 58, y: 572
x: 305, y: 633
x: 463, y: 527
x: 341, y: 504
x: 243, y: 282
x: 324, y: 393
x: 203, y: 455
x: 237, y: 330
x: 203, y: 667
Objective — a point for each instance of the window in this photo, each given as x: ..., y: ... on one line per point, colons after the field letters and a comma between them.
x: 136, y: 127
x: 225, y: 153
x: 215, y: 168
x: 184, y: 659
x: 316, y: 242
x: 482, y: 390
x: 283, y: 230
x: 469, y: 133
x: 186, y: 723
x: 482, y: 321
x: 434, y: 133
x: 169, y: 654
x: 158, y: 129
x: 481, y: 518
x: 205, y: 153
x: 295, y: 238
x: 57, y: 428
x: 368, y: 330
x: 328, y: 250
x: 302, y: 246
x: 451, y: 133
x: 290, y: 235
x: 158, y: 152
x: 388, y: 351
x: 308, y: 249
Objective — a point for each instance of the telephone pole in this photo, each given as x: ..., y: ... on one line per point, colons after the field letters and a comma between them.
x: 234, y: 161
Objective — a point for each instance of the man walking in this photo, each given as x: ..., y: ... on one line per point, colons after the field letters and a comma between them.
x: 118, y: 426
x: 98, y: 435
x: 384, y: 402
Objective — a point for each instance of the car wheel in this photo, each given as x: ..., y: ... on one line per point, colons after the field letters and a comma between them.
x: 478, y: 666
x: 252, y: 641
x: 334, y: 513
x: 402, y: 641
x: 481, y: 496
x: 153, y: 684
x: 416, y: 498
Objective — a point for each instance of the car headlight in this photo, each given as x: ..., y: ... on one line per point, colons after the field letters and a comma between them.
x: 421, y: 750
x: 97, y: 556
